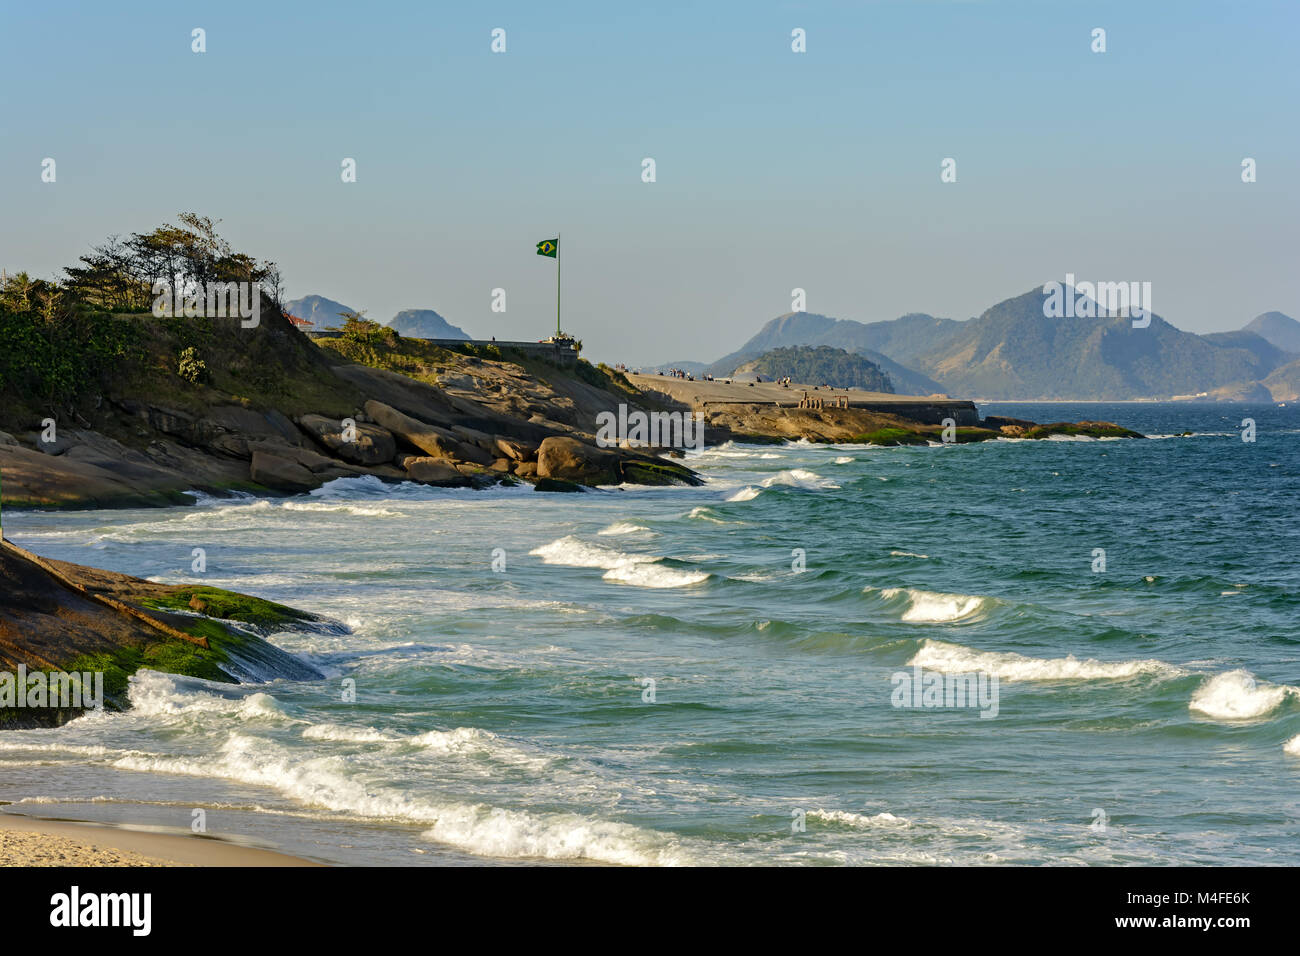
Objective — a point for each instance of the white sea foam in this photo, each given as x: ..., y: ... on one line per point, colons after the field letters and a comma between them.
x: 366, y: 511
x: 470, y: 742
x: 330, y: 783
x: 844, y: 459
x: 702, y: 513
x: 1292, y: 746
x: 934, y: 607
x: 799, y: 478
x: 575, y: 553
x: 956, y: 659
x: 654, y: 576
x: 1237, y: 695
x: 623, y: 527
x: 906, y: 554
x: 746, y: 494
x: 859, y: 820
x: 338, y: 733
x: 164, y: 695
x: 641, y: 570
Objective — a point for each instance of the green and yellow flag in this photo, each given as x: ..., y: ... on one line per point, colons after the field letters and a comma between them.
x: 549, y: 247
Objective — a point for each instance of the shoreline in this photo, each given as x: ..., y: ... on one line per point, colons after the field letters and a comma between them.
x: 35, y: 841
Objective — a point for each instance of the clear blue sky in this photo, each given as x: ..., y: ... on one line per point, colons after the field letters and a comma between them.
x: 775, y: 169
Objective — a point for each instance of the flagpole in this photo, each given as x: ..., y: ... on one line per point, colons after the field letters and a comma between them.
x: 558, y: 253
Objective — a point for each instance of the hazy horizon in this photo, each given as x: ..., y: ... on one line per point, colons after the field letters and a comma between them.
x: 775, y: 170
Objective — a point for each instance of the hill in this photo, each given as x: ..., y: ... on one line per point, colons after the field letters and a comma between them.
x: 819, y: 365
x: 103, y: 404
x: 1283, y: 383
x: 323, y: 312
x: 1278, y: 328
x: 425, y: 324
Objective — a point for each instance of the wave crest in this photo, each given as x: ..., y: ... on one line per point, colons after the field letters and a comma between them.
x: 1009, y: 666
x: 935, y: 607
x: 1236, y: 695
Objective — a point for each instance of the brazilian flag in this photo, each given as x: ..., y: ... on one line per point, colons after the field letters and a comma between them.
x: 549, y: 247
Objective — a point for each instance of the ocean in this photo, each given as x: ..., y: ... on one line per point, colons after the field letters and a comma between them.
x: 714, y: 675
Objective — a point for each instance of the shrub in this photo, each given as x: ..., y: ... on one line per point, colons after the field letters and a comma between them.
x: 192, y: 368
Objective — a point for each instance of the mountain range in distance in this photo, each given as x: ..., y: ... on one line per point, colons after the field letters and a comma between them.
x: 414, y: 323
x: 1014, y: 351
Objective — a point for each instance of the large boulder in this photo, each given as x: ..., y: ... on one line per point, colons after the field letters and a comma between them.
x: 313, y: 461
x: 430, y: 439
x: 434, y: 471
x: 371, y: 445
x: 280, y: 474
x: 475, y: 437
x: 568, y: 459
x: 33, y: 479
x: 515, y: 448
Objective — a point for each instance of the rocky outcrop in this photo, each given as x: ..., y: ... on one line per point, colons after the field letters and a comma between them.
x: 270, y: 419
x: 435, y: 471
x: 112, y: 477
x: 516, y: 449
x: 362, y: 443
x: 280, y: 474
x: 568, y: 459
x: 61, y: 617
x: 431, y: 439
x: 1081, y: 429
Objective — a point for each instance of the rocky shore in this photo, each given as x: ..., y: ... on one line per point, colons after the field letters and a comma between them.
x: 301, y: 415
x: 772, y: 412
x: 57, y: 617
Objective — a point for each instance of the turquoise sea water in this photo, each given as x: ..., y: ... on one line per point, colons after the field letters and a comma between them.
x: 1144, y: 712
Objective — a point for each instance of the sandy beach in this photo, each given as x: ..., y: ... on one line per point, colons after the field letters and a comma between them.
x: 26, y: 841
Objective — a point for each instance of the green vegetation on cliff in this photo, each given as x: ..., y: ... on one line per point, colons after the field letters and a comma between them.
x: 69, y: 345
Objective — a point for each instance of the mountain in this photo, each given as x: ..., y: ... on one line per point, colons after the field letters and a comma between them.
x: 892, y: 345
x: 903, y: 339
x: 323, y: 312
x: 1015, y: 351
x: 906, y: 381
x: 819, y: 365
x: 900, y: 339
x: 414, y: 323
x: 1269, y: 355
x: 1278, y: 328
x: 425, y: 324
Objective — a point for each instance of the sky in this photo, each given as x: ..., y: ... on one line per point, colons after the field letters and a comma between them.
x: 774, y: 170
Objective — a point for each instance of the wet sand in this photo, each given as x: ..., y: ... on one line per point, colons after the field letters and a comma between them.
x: 27, y: 841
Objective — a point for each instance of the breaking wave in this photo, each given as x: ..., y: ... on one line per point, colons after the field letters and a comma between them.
x: 641, y: 570
x: 934, y: 607
x: 1237, y: 695
x: 1009, y: 666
